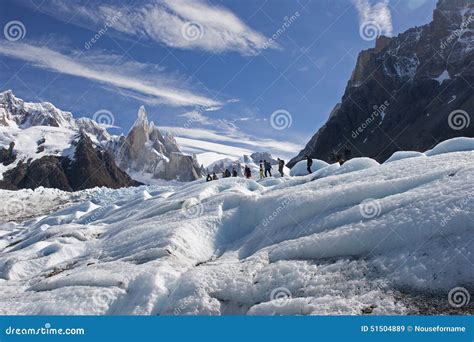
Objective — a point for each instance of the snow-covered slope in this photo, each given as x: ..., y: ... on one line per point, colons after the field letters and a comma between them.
x: 362, y: 239
x: 40, y: 129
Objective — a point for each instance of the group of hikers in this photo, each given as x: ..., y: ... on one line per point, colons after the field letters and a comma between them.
x: 265, y: 171
x: 225, y: 174
x: 266, y: 166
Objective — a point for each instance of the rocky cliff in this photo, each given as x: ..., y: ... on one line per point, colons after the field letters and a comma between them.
x: 39, y: 146
x: 408, y: 92
x: 90, y: 167
x: 145, y: 150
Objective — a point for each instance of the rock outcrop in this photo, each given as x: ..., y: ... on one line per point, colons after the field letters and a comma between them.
x: 35, y: 136
x: 407, y: 93
x: 91, y: 167
x: 146, y: 150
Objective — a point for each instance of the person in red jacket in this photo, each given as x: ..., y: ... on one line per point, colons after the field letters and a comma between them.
x: 247, y: 172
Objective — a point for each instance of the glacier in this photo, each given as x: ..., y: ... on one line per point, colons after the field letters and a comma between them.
x: 361, y: 238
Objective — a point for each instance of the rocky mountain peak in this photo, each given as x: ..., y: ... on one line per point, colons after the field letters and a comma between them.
x: 26, y: 114
x: 146, y: 150
x: 402, y: 91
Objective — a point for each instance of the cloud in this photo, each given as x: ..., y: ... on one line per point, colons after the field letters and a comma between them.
x: 378, y: 13
x: 198, y: 140
x: 129, y: 76
x: 197, y: 117
x: 183, y: 24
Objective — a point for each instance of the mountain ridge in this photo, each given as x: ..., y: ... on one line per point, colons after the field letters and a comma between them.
x: 39, y: 131
x: 406, y: 93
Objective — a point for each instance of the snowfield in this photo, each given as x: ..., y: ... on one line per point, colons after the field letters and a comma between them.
x: 362, y: 238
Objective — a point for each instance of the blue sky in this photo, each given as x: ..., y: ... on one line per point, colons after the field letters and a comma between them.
x: 203, y: 69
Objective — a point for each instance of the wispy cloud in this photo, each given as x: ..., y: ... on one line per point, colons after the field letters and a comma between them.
x: 377, y: 12
x: 227, y: 132
x: 198, y: 140
x: 184, y: 24
x: 129, y: 76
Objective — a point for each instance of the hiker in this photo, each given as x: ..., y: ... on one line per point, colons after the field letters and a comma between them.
x: 214, y: 176
x: 268, y: 168
x: 208, y: 178
x: 261, y: 170
x: 281, y: 165
x: 347, y: 153
x: 226, y: 173
x: 234, y: 172
x: 309, y: 163
x: 247, y: 172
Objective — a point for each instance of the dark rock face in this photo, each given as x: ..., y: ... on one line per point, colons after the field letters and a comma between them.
x: 408, y: 93
x: 6, y: 155
x: 47, y: 172
x: 90, y: 168
x: 146, y: 150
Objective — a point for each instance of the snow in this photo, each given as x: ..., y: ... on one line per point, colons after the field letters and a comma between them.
x: 443, y: 77
x: 452, y: 145
x: 334, y: 242
x: 57, y: 142
x: 357, y: 164
x: 300, y: 169
x: 400, y: 155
